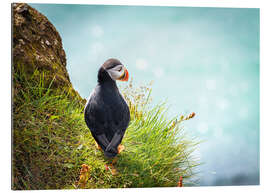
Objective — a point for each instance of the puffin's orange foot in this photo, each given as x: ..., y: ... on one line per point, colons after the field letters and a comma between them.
x: 114, y: 171
x: 111, y: 168
x: 98, y: 146
x: 114, y: 160
x: 120, y: 148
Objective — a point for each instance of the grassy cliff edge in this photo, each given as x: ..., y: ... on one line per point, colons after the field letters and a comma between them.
x: 51, y: 140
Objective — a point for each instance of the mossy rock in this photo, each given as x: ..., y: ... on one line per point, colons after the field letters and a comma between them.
x: 37, y: 47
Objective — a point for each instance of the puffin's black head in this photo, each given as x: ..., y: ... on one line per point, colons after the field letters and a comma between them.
x: 112, y: 70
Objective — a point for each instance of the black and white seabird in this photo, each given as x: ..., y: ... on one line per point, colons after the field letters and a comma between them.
x: 106, y: 112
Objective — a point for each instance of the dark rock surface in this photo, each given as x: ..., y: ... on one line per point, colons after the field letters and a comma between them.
x: 38, y: 46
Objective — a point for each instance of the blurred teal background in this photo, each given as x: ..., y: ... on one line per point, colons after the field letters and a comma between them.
x: 202, y: 60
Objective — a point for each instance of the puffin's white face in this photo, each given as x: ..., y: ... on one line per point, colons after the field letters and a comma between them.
x: 118, y: 72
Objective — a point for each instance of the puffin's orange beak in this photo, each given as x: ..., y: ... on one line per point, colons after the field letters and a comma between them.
x: 126, y: 75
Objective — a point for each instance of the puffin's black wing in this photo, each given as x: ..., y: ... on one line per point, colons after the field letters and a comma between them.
x: 95, y: 119
x: 119, y: 120
x: 107, y: 116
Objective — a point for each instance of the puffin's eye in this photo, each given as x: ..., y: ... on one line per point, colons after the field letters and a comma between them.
x: 119, y: 70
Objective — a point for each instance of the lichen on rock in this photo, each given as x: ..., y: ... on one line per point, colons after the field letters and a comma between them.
x: 38, y: 46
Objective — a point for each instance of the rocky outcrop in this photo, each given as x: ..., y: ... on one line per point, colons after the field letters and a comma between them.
x: 37, y: 46
x: 44, y: 104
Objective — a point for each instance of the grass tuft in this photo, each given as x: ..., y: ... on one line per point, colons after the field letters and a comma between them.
x: 51, y: 142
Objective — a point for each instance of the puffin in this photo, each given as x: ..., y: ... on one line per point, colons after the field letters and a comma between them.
x: 106, y: 112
